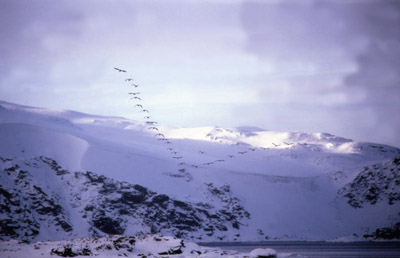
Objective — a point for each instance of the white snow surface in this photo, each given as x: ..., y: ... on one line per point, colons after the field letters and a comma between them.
x: 114, y: 246
x: 263, y: 252
x: 287, y: 181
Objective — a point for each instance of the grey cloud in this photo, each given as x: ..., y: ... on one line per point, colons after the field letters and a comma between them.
x: 378, y: 67
x: 379, y: 62
x: 24, y: 24
x: 330, y: 35
x: 291, y: 30
x: 321, y: 31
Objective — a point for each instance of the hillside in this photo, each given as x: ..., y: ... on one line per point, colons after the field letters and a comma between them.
x: 66, y: 174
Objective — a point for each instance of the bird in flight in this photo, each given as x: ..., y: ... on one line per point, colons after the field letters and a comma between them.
x: 153, y: 128
x: 135, y: 85
x: 136, y: 98
x: 120, y: 70
x: 138, y: 105
x: 145, y: 110
x: 146, y: 117
x: 160, y: 134
x: 128, y: 79
x: 231, y: 156
x: 134, y: 93
x: 202, y: 152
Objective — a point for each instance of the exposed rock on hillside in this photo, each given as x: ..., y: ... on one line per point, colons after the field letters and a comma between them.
x: 376, y: 183
x: 106, y: 206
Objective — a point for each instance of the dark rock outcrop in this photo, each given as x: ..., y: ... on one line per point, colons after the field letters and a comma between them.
x: 386, y: 233
x: 379, y: 182
x: 106, y: 206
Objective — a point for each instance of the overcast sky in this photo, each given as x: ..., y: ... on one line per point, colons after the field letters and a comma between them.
x: 310, y: 66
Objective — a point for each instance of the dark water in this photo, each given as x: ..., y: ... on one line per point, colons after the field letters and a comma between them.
x: 317, y: 249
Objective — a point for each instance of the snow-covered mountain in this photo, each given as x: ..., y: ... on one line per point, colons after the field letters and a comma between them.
x: 65, y: 174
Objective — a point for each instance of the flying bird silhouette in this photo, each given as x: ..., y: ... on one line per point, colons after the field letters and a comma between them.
x: 138, y: 105
x: 146, y: 117
x: 120, y: 70
x: 128, y: 79
x: 153, y: 128
x: 136, y: 98
x: 145, y: 110
x: 135, y: 85
x: 134, y: 93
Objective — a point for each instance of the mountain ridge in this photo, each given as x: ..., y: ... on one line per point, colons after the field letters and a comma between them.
x: 286, y: 185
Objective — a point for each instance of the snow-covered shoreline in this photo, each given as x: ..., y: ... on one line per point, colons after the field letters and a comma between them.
x: 117, y: 246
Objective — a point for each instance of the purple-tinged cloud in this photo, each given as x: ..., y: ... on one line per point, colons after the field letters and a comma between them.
x: 346, y: 50
x: 283, y: 65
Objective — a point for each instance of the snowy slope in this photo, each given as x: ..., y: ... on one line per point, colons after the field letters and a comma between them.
x: 260, y: 184
x: 52, y: 201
